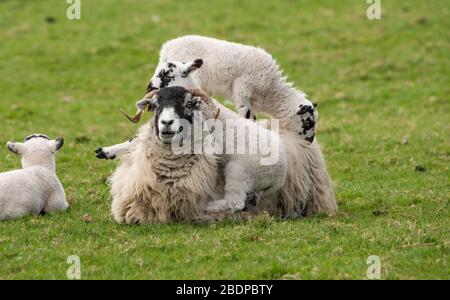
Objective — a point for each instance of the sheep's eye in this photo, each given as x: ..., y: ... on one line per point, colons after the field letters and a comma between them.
x: 189, y: 105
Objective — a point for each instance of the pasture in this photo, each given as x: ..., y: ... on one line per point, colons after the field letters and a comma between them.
x: 383, y: 92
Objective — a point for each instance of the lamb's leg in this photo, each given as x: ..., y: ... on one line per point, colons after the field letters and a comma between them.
x: 112, y: 152
x: 308, y: 119
x: 56, y: 202
x: 242, y: 99
x: 235, y: 191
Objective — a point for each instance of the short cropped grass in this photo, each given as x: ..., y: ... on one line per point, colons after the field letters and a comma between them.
x: 383, y: 92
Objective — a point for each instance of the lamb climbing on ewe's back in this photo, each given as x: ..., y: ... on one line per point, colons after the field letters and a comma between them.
x: 247, y: 75
x: 35, y: 188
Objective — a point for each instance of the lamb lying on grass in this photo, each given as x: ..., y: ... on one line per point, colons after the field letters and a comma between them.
x: 35, y: 189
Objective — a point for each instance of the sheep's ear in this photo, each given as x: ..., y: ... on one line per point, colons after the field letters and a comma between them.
x: 16, y: 148
x: 192, y: 66
x: 57, y: 144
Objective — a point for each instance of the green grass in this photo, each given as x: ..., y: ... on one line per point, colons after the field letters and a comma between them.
x: 378, y: 83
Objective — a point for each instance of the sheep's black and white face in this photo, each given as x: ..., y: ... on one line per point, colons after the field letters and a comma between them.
x: 175, y: 74
x: 173, y: 107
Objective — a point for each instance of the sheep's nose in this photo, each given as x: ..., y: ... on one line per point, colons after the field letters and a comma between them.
x: 167, y: 122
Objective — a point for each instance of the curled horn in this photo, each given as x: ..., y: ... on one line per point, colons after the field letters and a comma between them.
x: 205, y: 98
x: 137, y: 117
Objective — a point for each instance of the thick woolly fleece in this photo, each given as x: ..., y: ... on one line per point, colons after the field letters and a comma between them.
x: 152, y: 185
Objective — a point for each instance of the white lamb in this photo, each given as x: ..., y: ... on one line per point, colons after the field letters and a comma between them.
x: 34, y: 189
x: 247, y: 75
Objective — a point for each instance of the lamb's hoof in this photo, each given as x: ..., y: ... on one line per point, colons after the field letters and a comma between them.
x: 310, y: 139
x: 308, y: 135
x: 217, y: 206
x: 308, y: 115
x: 100, y: 153
x: 211, y: 217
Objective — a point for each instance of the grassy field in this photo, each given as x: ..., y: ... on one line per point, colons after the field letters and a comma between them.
x: 383, y: 92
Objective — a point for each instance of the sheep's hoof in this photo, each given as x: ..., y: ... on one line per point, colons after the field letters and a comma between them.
x: 101, y: 154
x: 134, y: 216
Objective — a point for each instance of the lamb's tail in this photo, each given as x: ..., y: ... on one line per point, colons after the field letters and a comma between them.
x: 308, y: 189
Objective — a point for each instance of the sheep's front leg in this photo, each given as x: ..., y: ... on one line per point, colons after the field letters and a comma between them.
x: 242, y: 98
x: 112, y: 152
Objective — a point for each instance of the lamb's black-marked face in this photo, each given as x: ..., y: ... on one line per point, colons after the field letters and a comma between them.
x: 174, y: 74
x: 173, y: 105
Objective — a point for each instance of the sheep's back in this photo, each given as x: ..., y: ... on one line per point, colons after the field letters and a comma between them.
x: 224, y: 62
x: 308, y: 189
x: 23, y: 192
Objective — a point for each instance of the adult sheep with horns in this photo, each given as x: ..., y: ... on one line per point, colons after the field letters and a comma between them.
x: 155, y: 184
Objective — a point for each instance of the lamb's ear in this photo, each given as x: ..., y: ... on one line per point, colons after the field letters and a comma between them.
x: 57, y: 144
x: 192, y: 66
x: 16, y: 148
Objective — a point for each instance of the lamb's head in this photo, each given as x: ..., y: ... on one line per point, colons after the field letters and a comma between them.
x: 175, y: 74
x: 37, y: 150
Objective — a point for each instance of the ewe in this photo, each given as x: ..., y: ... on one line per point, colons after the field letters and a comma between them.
x: 153, y: 184
x: 35, y: 189
x: 159, y: 181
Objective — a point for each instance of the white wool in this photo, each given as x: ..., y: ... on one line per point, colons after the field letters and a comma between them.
x: 36, y: 188
x: 247, y: 75
x: 153, y: 185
